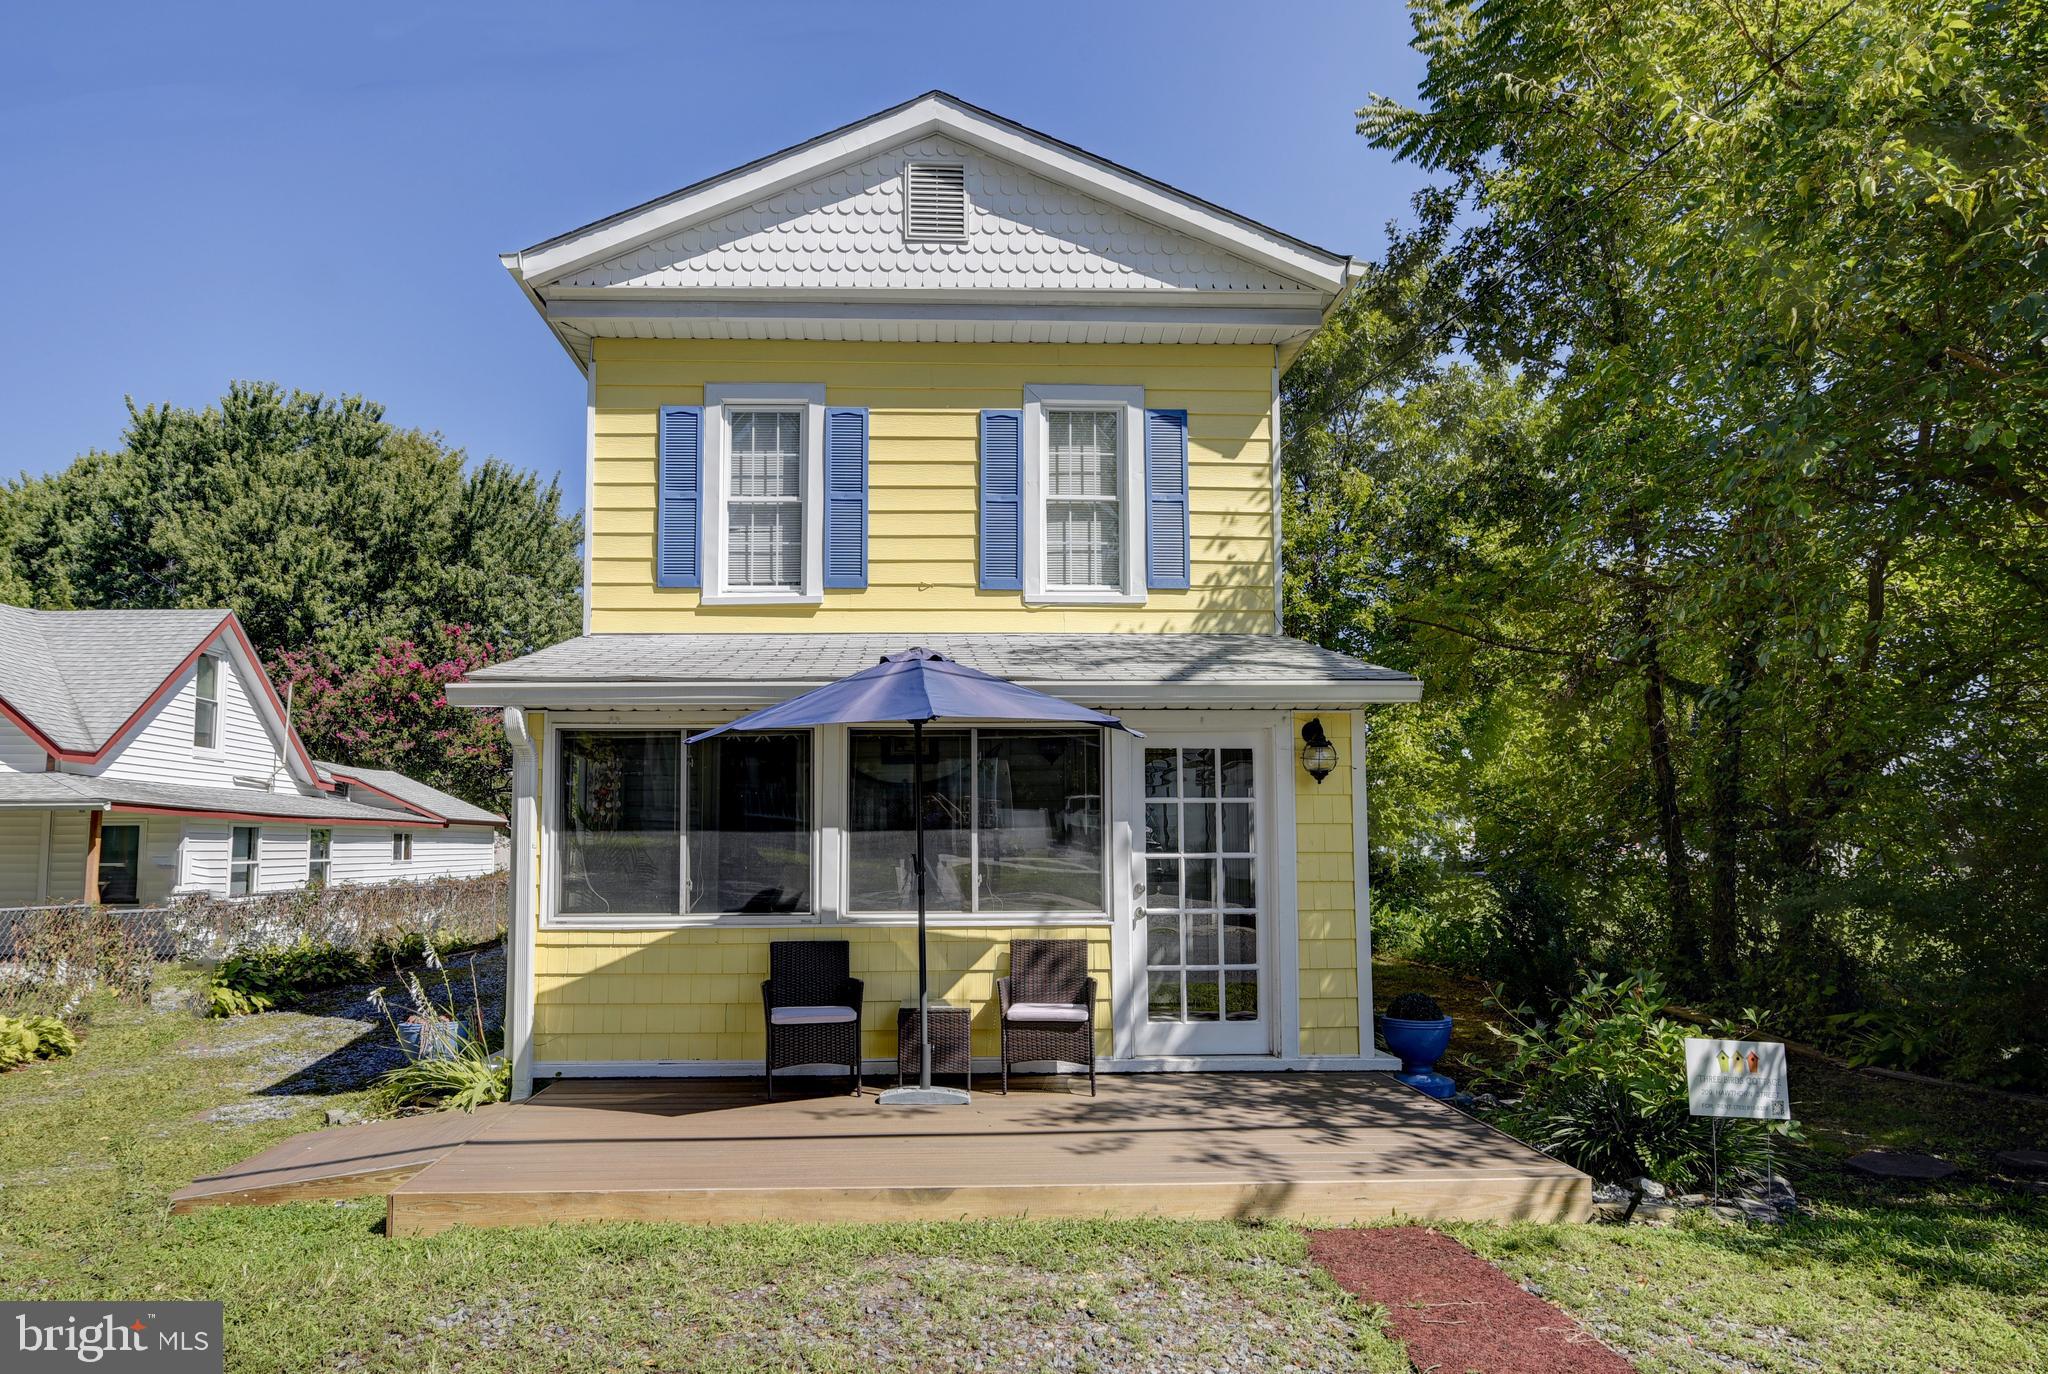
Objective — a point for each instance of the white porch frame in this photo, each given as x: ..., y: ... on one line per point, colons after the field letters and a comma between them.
x: 533, y: 896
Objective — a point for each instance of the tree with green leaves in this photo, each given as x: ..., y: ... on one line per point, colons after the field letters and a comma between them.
x: 318, y: 522
x: 1700, y: 419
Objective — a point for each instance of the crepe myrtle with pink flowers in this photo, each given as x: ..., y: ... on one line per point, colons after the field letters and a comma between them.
x: 393, y: 712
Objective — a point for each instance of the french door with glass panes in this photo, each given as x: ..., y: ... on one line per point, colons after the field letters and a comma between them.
x: 1197, y: 952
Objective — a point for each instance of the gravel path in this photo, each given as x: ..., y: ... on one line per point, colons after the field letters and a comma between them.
x: 337, y: 1040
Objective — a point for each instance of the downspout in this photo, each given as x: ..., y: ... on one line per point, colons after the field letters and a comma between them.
x: 520, y: 919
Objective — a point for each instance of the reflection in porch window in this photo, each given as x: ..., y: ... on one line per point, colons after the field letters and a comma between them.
x: 881, y: 841
x: 1041, y: 820
x: 1021, y: 831
x: 750, y: 824
x: 621, y: 845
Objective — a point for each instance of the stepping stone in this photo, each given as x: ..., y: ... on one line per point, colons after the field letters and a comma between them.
x: 2024, y: 1161
x: 1901, y: 1164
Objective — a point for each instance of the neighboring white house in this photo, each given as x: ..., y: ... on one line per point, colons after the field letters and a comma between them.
x: 144, y: 756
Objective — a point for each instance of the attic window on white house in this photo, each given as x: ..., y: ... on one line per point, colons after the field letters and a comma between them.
x: 935, y: 202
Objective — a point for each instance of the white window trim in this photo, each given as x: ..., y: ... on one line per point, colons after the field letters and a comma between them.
x: 1038, y: 398
x: 552, y: 916
x: 718, y: 396
x: 254, y: 861
x: 402, y: 839
x: 327, y: 876
x: 974, y: 917
x: 219, y: 746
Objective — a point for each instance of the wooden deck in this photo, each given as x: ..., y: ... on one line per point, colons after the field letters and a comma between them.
x: 1310, y: 1147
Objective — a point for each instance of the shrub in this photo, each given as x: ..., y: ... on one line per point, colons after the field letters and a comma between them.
x: 1415, y: 1006
x: 23, y: 1038
x: 1604, y: 1089
x: 464, y: 1082
x: 273, y: 976
x: 50, y: 958
x: 450, y: 1061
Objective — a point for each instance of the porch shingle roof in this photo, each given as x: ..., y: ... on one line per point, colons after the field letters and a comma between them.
x: 1178, y: 669
x: 413, y: 792
x: 70, y: 791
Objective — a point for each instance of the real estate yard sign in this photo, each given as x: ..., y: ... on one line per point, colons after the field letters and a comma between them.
x: 1738, y: 1078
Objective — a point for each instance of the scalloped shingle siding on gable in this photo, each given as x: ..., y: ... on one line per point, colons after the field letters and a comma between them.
x: 845, y: 229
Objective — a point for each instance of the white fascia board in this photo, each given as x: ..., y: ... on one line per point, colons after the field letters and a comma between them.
x: 1261, y: 696
x: 1209, y: 312
x: 510, y: 262
x: 547, y: 262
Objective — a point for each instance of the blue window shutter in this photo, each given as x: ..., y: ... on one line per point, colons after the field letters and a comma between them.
x: 1002, y: 500
x: 1166, y: 499
x: 679, y: 500
x: 846, y: 497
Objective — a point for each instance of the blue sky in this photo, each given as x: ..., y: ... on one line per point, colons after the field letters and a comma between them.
x: 316, y: 195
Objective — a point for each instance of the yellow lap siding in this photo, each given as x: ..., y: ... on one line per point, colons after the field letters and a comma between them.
x: 683, y: 995
x: 924, y: 403
x: 1326, y: 891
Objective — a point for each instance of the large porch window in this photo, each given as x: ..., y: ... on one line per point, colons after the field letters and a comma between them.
x: 630, y: 799
x: 1013, y: 822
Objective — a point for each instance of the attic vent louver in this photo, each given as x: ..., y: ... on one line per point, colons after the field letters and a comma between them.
x: 935, y: 202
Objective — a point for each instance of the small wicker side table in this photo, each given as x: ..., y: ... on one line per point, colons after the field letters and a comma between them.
x: 950, y: 1041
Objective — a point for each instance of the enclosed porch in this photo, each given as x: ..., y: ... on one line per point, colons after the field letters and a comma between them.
x: 1329, y: 1147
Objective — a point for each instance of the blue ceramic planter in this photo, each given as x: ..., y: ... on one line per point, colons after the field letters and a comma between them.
x: 1418, y: 1045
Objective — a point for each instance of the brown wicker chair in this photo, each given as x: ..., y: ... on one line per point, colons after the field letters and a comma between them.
x: 812, y: 1007
x: 1048, y: 1005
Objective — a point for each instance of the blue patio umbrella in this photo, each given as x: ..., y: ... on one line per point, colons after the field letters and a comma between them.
x: 917, y: 687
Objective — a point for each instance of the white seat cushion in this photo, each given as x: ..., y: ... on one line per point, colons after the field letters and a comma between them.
x: 1058, y: 1012
x: 811, y: 1016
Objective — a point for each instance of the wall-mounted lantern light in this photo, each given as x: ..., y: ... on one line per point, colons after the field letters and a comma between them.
x: 1318, y: 755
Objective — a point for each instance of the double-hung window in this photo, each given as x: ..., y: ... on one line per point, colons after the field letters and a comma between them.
x: 1083, y: 506
x: 206, y: 703
x: 764, y: 509
x: 244, y: 854
x: 763, y: 477
x: 1084, y: 494
x: 319, y: 857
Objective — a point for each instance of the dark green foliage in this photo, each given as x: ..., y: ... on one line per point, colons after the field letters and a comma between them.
x: 1415, y: 1006
x: 272, y: 976
x: 1692, y: 446
x: 1603, y: 1088
x: 316, y: 521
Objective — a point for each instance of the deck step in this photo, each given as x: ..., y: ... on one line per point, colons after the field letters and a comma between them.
x: 365, y: 1160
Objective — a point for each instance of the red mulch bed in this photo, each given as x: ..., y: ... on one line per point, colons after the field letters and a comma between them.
x: 1457, y: 1313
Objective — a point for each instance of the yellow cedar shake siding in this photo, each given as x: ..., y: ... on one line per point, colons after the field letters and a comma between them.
x: 694, y: 994
x: 1326, y: 897
x: 924, y: 403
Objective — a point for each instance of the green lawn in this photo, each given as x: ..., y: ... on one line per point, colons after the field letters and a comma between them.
x: 90, y: 1147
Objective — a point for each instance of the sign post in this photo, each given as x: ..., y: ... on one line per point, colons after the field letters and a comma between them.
x: 1743, y: 1079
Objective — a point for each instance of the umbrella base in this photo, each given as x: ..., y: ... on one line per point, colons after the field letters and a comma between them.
x: 914, y: 1096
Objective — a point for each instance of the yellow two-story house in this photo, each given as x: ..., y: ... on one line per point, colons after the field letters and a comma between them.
x: 935, y: 379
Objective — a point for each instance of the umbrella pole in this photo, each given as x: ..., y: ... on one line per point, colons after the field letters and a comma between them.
x: 924, y: 1010
x: 924, y: 1094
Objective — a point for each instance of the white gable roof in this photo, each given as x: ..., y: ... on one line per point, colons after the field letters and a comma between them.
x: 808, y: 243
